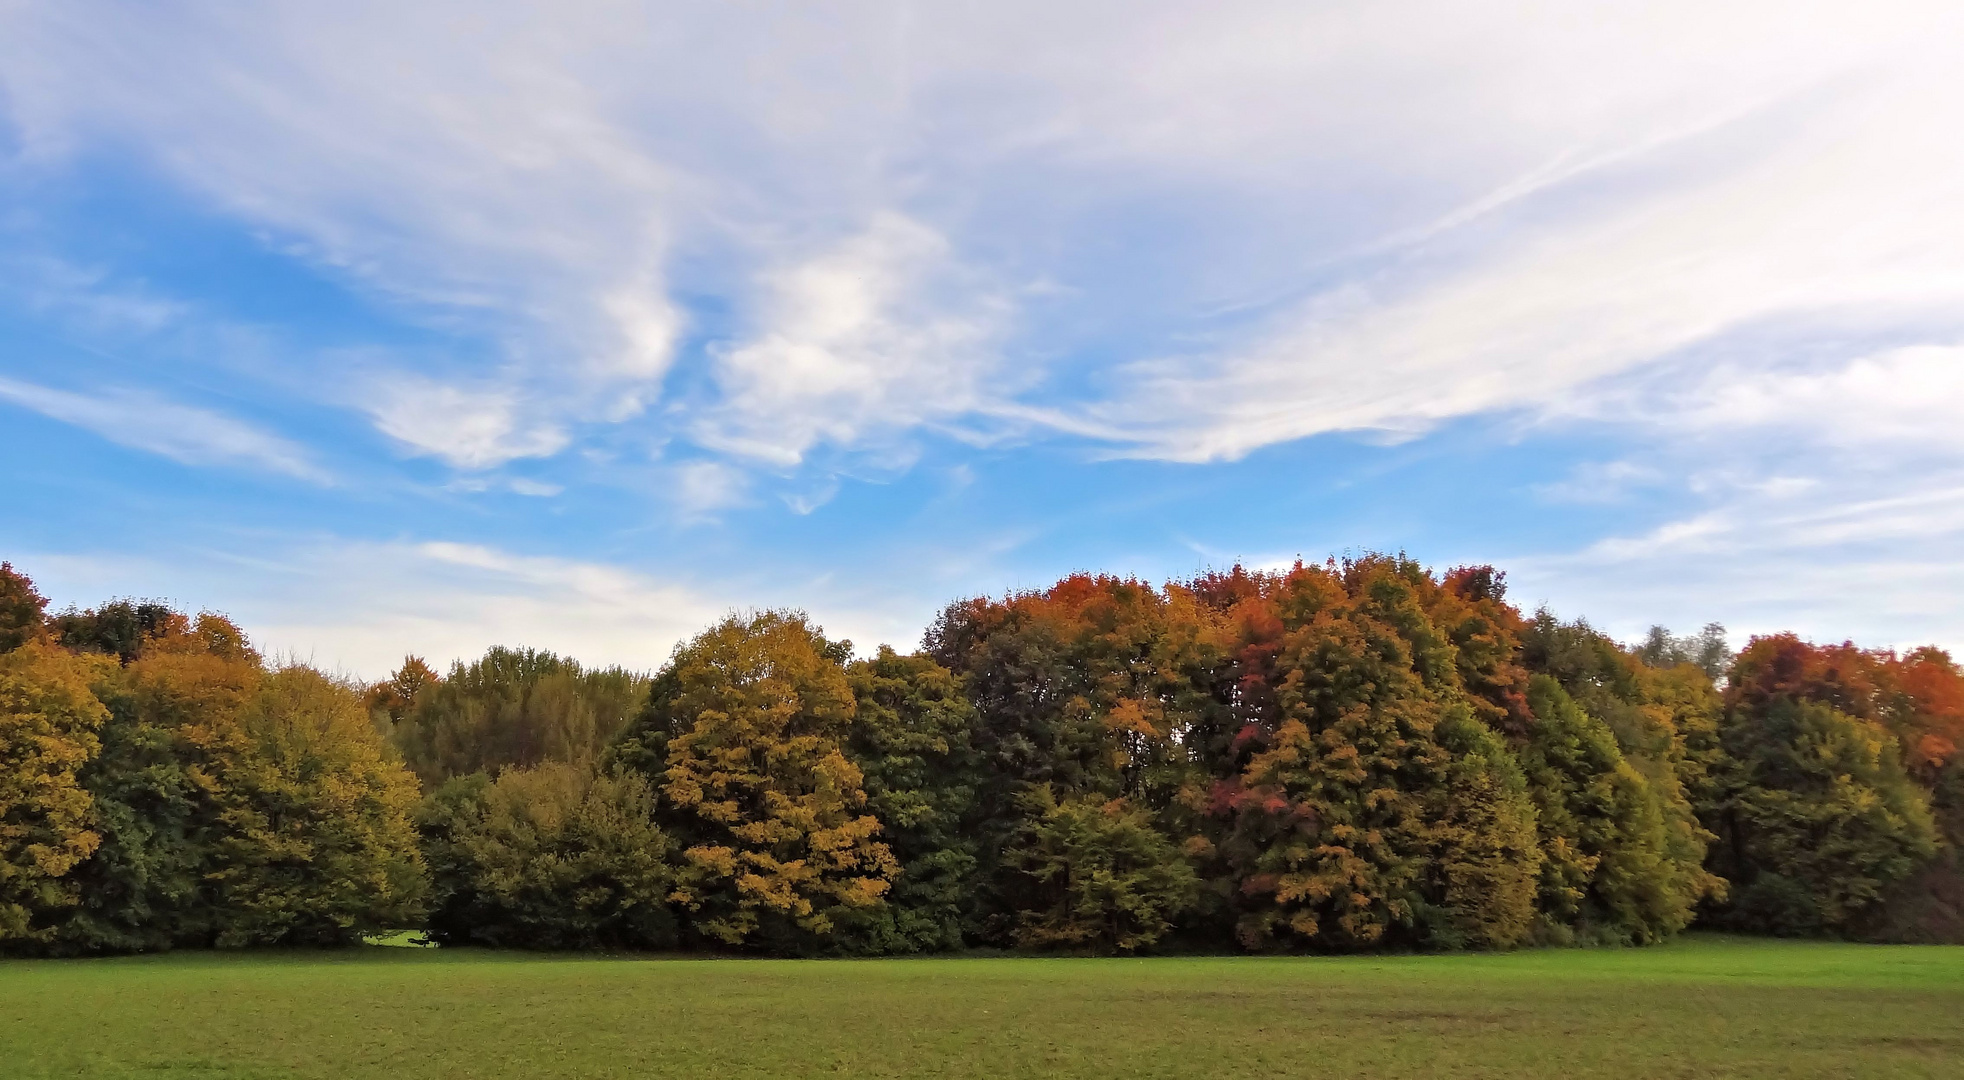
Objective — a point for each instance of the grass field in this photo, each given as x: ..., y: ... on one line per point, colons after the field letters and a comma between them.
x: 1709, y: 1007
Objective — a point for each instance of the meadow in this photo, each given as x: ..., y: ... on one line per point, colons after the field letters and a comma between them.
x: 1716, y: 1007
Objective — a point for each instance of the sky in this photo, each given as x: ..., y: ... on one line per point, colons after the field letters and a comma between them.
x: 395, y: 329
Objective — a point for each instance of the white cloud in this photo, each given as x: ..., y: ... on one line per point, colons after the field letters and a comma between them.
x: 1191, y: 231
x: 648, y: 324
x: 359, y: 607
x: 447, y: 601
x: 1906, y: 399
x: 470, y: 429
x: 700, y: 488
x: 862, y: 340
x: 182, y: 433
x: 85, y: 296
x: 1600, y: 482
x: 1827, y: 500
x: 1863, y: 561
x: 452, y: 159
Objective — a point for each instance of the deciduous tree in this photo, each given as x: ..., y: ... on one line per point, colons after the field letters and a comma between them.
x: 119, y: 628
x: 1612, y: 872
x: 910, y: 738
x: 49, y: 720
x: 1105, y: 879
x: 238, y: 806
x: 175, y: 717
x: 555, y: 856
x: 509, y: 707
x: 393, y: 697
x: 749, y: 721
x: 21, y: 608
x: 1817, y: 817
x: 315, y: 840
x: 1361, y: 768
x: 1096, y: 686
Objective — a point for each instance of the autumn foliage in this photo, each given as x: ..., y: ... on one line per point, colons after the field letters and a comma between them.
x: 1353, y: 755
x: 166, y: 787
x: 49, y: 725
x: 747, y: 728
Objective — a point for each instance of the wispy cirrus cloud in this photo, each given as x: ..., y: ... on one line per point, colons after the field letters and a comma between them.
x: 1845, y: 212
x: 729, y: 251
x: 182, y: 433
x: 1862, y: 559
x: 1410, y: 214
x: 1600, y: 482
x: 480, y: 183
x: 1826, y: 498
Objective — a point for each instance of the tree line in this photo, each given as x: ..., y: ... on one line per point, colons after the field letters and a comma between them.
x: 1346, y: 756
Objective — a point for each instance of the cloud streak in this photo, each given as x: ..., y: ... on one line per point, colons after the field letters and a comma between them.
x: 1828, y: 564
x: 182, y: 433
x: 1846, y: 216
x: 1829, y: 500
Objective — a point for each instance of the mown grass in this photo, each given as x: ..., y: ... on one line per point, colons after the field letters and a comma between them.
x: 1704, y: 1007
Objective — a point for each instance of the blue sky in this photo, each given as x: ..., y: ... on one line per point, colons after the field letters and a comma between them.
x: 576, y: 326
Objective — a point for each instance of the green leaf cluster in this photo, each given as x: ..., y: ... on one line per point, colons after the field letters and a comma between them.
x: 554, y: 856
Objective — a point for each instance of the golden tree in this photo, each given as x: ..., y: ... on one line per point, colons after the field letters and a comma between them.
x: 48, y: 725
x: 748, y: 722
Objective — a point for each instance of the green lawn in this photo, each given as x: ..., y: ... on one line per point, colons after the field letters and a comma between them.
x: 1707, y: 1007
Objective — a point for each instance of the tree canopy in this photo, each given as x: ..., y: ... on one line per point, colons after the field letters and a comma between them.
x: 1354, y: 755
